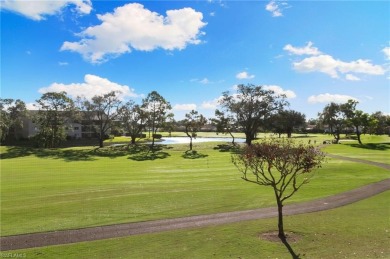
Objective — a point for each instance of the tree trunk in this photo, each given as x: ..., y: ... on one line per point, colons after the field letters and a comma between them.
x: 280, y: 221
x: 133, y: 140
x: 101, y: 141
x: 191, y: 143
x: 248, y: 138
x: 358, y: 135
x: 232, y: 137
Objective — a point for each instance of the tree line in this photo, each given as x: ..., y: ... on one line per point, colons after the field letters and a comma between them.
x: 250, y: 110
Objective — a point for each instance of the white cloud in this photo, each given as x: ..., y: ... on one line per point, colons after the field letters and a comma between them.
x: 211, y: 105
x: 333, y: 67
x: 93, y: 85
x: 63, y: 63
x: 351, y: 77
x: 244, y: 75
x: 31, y: 106
x: 204, y: 81
x: 386, y: 51
x: 132, y: 27
x: 276, y: 7
x: 327, y: 98
x: 37, y: 10
x: 184, y: 107
x: 307, y: 50
x: 278, y: 90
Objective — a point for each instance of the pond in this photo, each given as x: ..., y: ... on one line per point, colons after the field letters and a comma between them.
x: 185, y: 140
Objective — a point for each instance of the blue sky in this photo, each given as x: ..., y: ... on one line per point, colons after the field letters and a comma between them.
x: 191, y: 51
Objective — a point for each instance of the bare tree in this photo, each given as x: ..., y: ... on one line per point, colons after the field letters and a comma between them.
x: 280, y: 164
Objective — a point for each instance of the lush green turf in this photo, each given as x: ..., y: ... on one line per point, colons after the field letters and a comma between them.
x: 56, y: 189
x: 360, y: 230
x: 374, y: 149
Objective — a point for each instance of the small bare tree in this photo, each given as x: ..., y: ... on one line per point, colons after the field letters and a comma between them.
x: 281, y: 164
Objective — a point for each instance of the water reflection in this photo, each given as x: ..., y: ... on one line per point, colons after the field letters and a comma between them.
x: 185, y: 140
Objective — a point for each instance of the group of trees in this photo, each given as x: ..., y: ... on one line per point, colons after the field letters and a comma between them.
x: 250, y: 109
x: 345, y: 118
x: 278, y: 163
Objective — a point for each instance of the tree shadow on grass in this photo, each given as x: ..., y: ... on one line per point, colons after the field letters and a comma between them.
x: 145, y: 152
x: 373, y: 146
x: 289, y: 248
x: 67, y: 155
x: 228, y: 148
x: 17, y: 151
x: 193, y: 154
x: 274, y: 237
x: 137, y: 152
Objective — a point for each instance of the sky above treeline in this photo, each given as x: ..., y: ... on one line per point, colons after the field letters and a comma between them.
x: 315, y: 52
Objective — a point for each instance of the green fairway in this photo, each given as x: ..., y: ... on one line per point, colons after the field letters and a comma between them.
x: 44, y: 190
x: 337, y: 233
x: 374, y: 149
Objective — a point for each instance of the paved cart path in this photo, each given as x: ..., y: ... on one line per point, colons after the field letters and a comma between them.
x: 128, y: 229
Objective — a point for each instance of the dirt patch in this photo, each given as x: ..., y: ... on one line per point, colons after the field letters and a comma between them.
x: 273, y: 236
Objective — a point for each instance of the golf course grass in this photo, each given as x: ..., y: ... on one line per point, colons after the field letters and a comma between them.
x: 69, y: 188
x: 359, y: 230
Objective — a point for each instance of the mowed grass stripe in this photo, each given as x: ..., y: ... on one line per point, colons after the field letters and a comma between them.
x: 50, y: 193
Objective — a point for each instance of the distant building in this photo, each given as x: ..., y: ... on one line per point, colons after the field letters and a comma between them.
x: 84, y: 129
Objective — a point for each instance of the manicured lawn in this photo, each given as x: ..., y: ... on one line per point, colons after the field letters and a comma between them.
x: 374, y: 148
x: 359, y: 230
x: 44, y: 190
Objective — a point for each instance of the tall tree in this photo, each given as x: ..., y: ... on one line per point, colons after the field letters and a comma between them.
x: 193, y: 122
x: 355, y: 118
x: 157, y: 108
x: 225, y: 124
x: 251, y: 106
x: 55, y: 113
x: 11, y: 115
x: 285, y: 121
x: 101, y: 112
x: 133, y: 118
x: 280, y: 164
x: 333, y: 117
x: 379, y: 123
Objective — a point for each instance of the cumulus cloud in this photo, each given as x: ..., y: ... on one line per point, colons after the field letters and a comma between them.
x: 278, y: 90
x: 386, y: 51
x: 132, y: 27
x: 211, y: 105
x: 351, y: 77
x: 92, y: 85
x: 327, y: 98
x: 244, y: 75
x: 306, y: 50
x: 333, y: 67
x: 184, y: 107
x: 276, y: 7
x: 37, y: 10
x: 319, y: 62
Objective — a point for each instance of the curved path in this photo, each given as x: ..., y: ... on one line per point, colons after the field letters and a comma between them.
x: 128, y: 229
